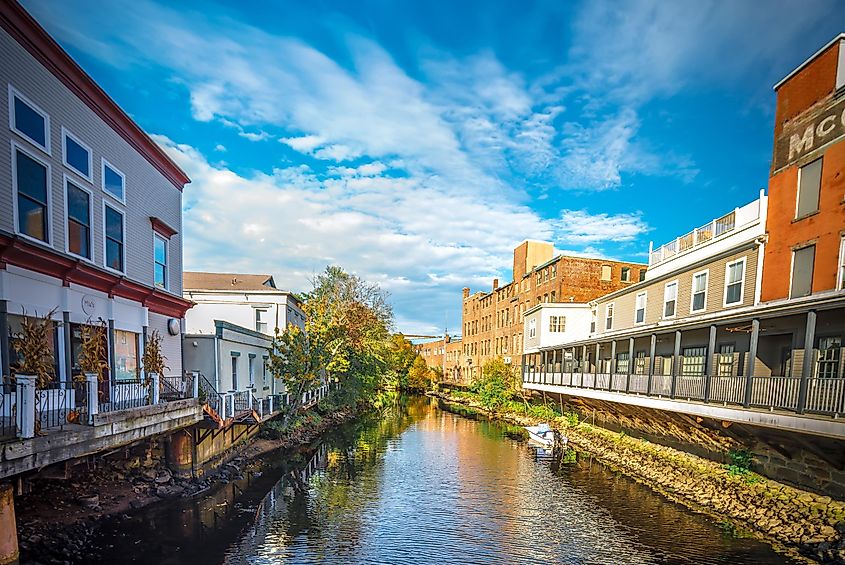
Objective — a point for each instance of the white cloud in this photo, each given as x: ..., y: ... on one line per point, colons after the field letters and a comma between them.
x: 220, y: 148
x: 253, y: 136
x: 303, y: 144
x: 581, y: 227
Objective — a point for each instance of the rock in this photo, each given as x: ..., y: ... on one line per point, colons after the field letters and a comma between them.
x: 91, y: 502
x: 135, y: 504
x: 149, y: 475
x: 840, y: 527
x: 163, y: 477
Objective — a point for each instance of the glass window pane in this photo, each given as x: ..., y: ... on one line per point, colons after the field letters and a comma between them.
x: 32, y: 178
x: 77, y: 157
x: 734, y: 293
x: 802, y: 271
x: 30, y: 122
x: 126, y: 356
x: 735, y: 272
x: 114, y: 224
x: 32, y: 218
x: 698, y: 301
x: 78, y: 239
x: 160, y: 251
x: 114, y: 255
x: 113, y: 182
x: 78, y: 204
x: 808, y: 190
x: 160, y: 275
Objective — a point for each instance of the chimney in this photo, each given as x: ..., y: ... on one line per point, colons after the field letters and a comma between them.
x: 466, y: 292
x: 495, y: 284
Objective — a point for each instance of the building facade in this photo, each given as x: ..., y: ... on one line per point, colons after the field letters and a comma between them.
x: 450, y: 357
x: 493, y: 321
x: 90, y: 213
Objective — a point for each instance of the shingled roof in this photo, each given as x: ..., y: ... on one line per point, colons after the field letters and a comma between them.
x: 226, y: 281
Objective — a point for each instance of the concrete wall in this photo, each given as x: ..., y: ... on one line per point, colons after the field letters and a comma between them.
x: 198, y: 355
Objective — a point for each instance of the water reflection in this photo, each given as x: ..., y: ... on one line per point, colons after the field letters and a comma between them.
x: 419, y: 485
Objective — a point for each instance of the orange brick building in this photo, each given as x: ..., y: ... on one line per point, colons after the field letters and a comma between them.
x: 805, y: 252
x: 436, y: 357
x: 492, y: 321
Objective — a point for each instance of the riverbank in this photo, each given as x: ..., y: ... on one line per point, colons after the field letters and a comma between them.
x: 59, y: 516
x: 792, y: 520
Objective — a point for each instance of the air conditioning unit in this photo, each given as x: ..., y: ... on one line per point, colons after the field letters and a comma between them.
x: 507, y: 360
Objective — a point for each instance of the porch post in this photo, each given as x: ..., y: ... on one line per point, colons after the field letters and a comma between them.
x: 807, y: 365
x: 752, y: 358
x: 652, y: 352
x: 598, y: 361
x: 584, y: 360
x: 612, y: 365
x: 630, y: 364
x: 66, y: 339
x: 25, y: 406
x: 708, y: 362
x: 195, y: 384
x: 92, y: 383
x: 676, y: 363
x: 4, y: 339
x: 154, y: 390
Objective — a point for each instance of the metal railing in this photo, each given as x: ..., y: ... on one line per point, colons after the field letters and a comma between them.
x: 242, y: 401
x: 123, y: 395
x: 176, y: 387
x: 696, y: 237
x: 53, y: 404
x: 8, y: 429
x: 823, y: 395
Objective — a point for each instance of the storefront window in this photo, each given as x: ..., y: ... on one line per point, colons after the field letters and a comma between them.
x: 76, y: 351
x: 52, y: 344
x: 125, y: 356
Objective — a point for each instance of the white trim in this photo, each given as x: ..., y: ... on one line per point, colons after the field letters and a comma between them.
x: 166, y: 242
x: 663, y: 315
x: 15, y: 146
x: 744, y: 261
x: 123, y: 249
x: 840, y: 275
x: 66, y: 134
x: 68, y: 179
x: 15, y: 93
x: 706, y: 273
x: 645, y: 307
x: 103, y: 163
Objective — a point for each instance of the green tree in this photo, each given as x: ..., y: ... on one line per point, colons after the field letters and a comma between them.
x: 419, y: 375
x: 496, y: 385
x: 401, y: 356
x: 299, y: 359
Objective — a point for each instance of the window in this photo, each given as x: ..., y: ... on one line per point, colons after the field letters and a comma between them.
x: 699, y: 291
x: 126, y: 356
x: 840, y: 283
x: 626, y: 274
x: 642, y: 275
x: 51, y: 344
x: 251, y: 365
x: 622, y: 361
x: 77, y: 155
x: 261, y: 321
x: 670, y: 299
x: 802, y: 271
x: 606, y: 272
x: 235, y: 370
x: 532, y: 328
x: 32, y: 185
x: 554, y: 270
x: 552, y: 296
x: 608, y: 317
x: 639, y: 308
x: 29, y: 120
x: 830, y: 349
x: 593, y: 317
x: 557, y: 324
x: 113, y: 181
x: 692, y: 361
x: 114, y: 238
x: 640, y: 363
x: 734, y: 281
x: 78, y: 225
x: 809, y: 182
x: 160, y: 258
x: 725, y: 360
x: 545, y: 297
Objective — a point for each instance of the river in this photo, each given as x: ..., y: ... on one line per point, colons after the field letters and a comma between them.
x: 421, y: 485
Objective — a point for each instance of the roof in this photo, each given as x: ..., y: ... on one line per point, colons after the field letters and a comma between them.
x: 828, y: 45
x: 226, y: 281
x: 23, y: 28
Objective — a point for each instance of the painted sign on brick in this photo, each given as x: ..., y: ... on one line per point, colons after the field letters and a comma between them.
x: 816, y: 130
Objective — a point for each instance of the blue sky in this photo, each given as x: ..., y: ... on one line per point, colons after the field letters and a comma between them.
x: 417, y: 143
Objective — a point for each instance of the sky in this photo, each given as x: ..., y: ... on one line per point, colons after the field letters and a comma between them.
x: 417, y: 143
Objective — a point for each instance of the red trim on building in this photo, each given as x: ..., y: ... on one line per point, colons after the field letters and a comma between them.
x: 15, y: 251
x: 161, y: 228
x: 32, y: 37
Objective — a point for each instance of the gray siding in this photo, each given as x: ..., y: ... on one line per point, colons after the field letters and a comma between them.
x: 171, y: 345
x: 148, y: 192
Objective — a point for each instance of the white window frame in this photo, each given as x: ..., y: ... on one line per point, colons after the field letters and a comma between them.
x: 68, y: 179
x: 798, y: 189
x: 706, y: 273
x: 15, y: 93
x: 15, y: 146
x: 840, y: 280
x: 66, y: 134
x: 622, y: 274
x: 677, y: 293
x: 122, y: 213
x: 166, y: 241
x: 609, y: 308
x: 532, y: 328
x: 645, y: 307
x: 742, y: 260
x: 103, y: 164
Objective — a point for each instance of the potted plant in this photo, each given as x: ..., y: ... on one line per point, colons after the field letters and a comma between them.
x: 153, y: 358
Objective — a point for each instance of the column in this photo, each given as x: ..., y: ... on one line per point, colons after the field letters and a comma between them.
x: 66, y: 338
x: 4, y: 339
x: 676, y: 363
x: 92, y: 398
x: 630, y: 364
x: 612, y: 364
x: 752, y: 358
x: 807, y: 365
x: 596, y: 368
x: 154, y: 390
x: 195, y: 384
x: 651, y: 354
x: 25, y: 405
x: 708, y: 362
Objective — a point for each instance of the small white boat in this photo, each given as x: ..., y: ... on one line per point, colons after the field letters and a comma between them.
x: 541, y: 434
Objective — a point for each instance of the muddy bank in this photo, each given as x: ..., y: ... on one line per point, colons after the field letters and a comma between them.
x: 792, y: 520
x: 57, y: 517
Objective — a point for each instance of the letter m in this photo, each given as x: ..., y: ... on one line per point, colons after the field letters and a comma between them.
x: 798, y: 145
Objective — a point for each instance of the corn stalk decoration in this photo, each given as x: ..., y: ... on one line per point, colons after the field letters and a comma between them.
x: 93, y: 354
x: 153, y: 359
x: 31, y: 344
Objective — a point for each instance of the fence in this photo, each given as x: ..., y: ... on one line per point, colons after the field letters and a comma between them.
x: 123, y: 395
x: 8, y: 429
x: 177, y: 387
x: 54, y: 403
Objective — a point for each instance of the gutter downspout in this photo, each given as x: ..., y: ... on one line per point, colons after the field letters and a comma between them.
x: 761, y: 246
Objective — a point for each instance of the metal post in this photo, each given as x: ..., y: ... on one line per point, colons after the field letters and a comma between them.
x: 630, y: 365
x: 651, y: 354
x: 708, y: 363
x: 807, y: 365
x: 676, y: 363
x: 752, y: 358
x: 25, y: 405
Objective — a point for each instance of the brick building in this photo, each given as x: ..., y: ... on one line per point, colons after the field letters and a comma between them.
x: 433, y: 354
x: 492, y: 321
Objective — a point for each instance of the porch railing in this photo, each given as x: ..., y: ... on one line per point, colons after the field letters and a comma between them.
x: 823, y: 395
x: 54, y: 402
x: 177, y: 387
x: 123, y: 395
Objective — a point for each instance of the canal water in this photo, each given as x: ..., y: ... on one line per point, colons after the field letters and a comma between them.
x: 417, y: 484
